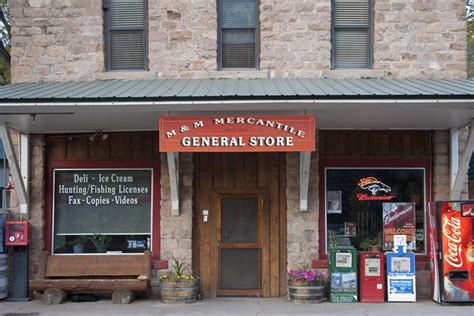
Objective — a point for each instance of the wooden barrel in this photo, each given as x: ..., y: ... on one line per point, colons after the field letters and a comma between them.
x: 181, y: 291
x: 305, y: 294
x: 3, y: 275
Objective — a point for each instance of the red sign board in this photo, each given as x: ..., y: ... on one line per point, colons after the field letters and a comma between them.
x: 237, y: 133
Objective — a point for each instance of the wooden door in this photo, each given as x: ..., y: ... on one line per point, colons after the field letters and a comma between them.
x: 239, y: 232
x: 221, y: 176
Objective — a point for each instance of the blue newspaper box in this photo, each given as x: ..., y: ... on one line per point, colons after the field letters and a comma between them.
x: 401, y: 276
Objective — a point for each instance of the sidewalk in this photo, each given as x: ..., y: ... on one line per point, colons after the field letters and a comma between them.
x: 232, y: 306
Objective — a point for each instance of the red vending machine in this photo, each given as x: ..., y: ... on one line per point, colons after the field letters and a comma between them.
x: 372, y: 277
x: 452, y: 250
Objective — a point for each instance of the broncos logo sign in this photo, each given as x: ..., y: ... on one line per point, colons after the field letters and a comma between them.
x: 374, y: 185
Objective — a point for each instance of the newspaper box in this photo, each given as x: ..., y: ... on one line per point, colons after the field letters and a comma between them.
x: 372, y: 277
x: 343, y: 266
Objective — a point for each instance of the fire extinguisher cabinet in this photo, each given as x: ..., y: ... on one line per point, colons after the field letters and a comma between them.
x: 343, y: 267
x: 16, y: 236
x: 372, y: 277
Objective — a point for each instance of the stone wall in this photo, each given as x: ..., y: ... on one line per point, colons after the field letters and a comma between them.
x: 303, y: 227
x: 37, y: 256
x: 58, y: 40
x: 176, y: 231
x: 295, y: 37
x: 441, y: 178
x: 425, y: 39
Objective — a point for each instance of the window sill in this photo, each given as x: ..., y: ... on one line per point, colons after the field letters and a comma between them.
x: 135, y: 74
x: 353, y: 74
x: 238, y: 74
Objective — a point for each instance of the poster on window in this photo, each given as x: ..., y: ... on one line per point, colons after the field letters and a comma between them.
x: 399, y: 219
x: 334, y: 202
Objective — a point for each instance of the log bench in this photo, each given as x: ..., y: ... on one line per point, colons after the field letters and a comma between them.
x: 120, y: 274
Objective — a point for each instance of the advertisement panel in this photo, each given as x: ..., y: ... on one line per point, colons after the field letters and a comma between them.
x: 457, y: 253
x: 399, y: 219
x: 237, y: 133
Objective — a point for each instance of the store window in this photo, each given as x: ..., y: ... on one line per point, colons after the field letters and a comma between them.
x: 366, y: 207
x: 125, y: 34
x: 238, y: 34
x: 351, y: 34
x: 111, y: 208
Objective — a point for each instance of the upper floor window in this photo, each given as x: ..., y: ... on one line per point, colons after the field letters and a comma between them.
x: 238, y: 35
x: 126, y: 34
x: 351, y: 34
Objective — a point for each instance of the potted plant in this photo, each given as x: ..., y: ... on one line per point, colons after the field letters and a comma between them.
x: 101, y: 242
x: 370, y: 245
x: 177, y: 285
x: 78, y: 243
x: 306, y: 285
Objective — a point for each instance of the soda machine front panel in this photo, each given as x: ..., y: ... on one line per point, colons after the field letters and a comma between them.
x: 457, y: 253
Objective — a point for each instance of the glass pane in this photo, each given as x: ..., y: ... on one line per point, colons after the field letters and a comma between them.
x: 240, y: 269
x: 351, y: 48
x: 127, y: 13
x: 238, y: 48
x: 111, y: 202
x: 351, y: 12
x: 239, y: 220
x: 127, y: 50
x: 238, y: 14
x: 355, y: 199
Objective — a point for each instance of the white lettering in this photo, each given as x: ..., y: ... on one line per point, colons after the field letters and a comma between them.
x: 170, y: 134
x: 185, y: 142
x: 451, y: 228
x: 198, y: 124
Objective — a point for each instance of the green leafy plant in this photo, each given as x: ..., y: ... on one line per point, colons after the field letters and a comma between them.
x: 369, y: 243
x: 81, y: 240
x: 100, y: 240
x: 179, y: 271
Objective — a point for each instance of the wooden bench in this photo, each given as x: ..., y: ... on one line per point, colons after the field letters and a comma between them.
x: 120, y: 274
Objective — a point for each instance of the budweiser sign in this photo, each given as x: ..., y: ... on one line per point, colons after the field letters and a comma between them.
x: 452, y: 231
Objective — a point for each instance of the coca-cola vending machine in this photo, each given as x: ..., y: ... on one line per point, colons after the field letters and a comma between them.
x: 451, y: 225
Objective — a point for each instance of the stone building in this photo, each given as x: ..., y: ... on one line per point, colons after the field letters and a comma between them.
x: 384, y: 81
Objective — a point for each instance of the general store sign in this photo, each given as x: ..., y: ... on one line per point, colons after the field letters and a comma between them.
x: 237, y: 133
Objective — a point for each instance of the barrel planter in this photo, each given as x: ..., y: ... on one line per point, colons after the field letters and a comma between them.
x: 179, y: 291
x: 306, y: 294
x: 3, y: 275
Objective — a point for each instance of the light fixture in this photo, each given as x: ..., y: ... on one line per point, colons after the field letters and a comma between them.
x: 104, y: 136
x: 92, y: 137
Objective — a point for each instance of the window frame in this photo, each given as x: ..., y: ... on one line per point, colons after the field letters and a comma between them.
x: 369, y: 28
x: 155, y: 166
x: 108, y: 29
x: 220, y: 42
x: 325, y: 164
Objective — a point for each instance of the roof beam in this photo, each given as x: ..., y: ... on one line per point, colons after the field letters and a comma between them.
x: 173, y: 169
x: 305, y: 161
x: 18, y: 184
x: 461, y: 175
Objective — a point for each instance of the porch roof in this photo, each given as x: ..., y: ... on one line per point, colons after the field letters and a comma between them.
x: 235, y: 89
x: 128, y: 105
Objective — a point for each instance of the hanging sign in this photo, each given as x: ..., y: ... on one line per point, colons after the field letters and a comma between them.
x: 237, y: 133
